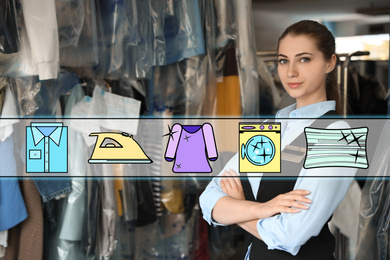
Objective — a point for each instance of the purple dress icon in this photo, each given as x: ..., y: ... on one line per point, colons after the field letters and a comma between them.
x: 191, y: 147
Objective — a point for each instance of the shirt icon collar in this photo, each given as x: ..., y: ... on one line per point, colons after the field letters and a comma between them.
x: 55, y: 136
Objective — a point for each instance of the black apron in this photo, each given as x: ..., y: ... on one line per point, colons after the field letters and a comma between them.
x: 320, y: 247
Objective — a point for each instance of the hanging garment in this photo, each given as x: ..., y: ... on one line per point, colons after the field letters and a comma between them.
x: 106, y: 229
x: 12, y: 207
x: 43, y: 36
x: 3, y: 242
x: 202, y: 250
x: 366, y: 95
x: 374, y: 216
x: 226, y: 22
x: 73, y: 208
x: 2, y: 97
x: 146, y: 210
x: 191, y: 147
x: 26, y: 240
x: 183, y: 32
x: 9, y: 42
x: 172, y: 195
x: 125, y: 30
x: 246, y: 53
x: 70, y: 21
x: 346, y: 218
x: 209, y: 27
x: 89, y: 235
x: 152, y: 131
x: 82, y: 51
x: 9, y: 111
x: 228, y: 85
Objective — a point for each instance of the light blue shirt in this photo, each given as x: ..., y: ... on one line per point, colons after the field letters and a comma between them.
x: 289, y: 232
x: 47, y: 148
x: 12, y: 207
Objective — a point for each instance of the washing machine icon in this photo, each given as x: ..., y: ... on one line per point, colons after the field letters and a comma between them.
x: 259, y: 147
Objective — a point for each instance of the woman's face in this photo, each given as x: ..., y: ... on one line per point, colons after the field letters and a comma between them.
x: 302, y: 69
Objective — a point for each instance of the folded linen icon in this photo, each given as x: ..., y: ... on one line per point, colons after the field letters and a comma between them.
x: 336, y: 148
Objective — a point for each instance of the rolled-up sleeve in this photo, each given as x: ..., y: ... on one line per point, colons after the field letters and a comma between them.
x: 213, y: 193
x: 288, y: 232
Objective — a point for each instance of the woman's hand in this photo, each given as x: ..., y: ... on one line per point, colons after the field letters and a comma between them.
x: 231, y: 185
x: 290, y: 202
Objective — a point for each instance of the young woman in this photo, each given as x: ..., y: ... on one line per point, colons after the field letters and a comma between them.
x: 288, y: 219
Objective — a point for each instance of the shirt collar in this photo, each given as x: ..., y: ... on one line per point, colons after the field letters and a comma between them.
x: 310, y: 111
x: 55, y: 136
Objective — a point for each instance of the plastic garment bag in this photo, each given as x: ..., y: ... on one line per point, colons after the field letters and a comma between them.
x: 79, y: 44
x: 74, y: 205
x: 226, y: 22
x: 246, y: 58
x: 210, y: 31
x: 171, y: 237
x: 183, y: 32
x: 181, y: 87
x: 20, y: 63
x: 158, y: 12
x: 374, y: 219
x: 127, y: 222
x: 125, y: 42
x: 3, y: 85
x: 106, y: 229
x: 8, y: 30
x: 70, y: 20
x: 41, y: 98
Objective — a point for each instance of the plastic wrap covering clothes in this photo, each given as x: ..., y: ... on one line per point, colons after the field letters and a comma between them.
x: 209, y: 25
x: 20, y: 63
x: 181, y: 87
x: 183, y: 31
x: 3, y: 85
x: 123, y: 35
x: 171, y: 91
x: 78, y: 34
x: 40, y: 98
x: 8, y: 30
x: 152, y: 132
x: 230, y: 21
x: 226, y: 24
x: 374, y: 218
x: 172, y: 237
x: 70, y: 20
x: 228, y: 85
x: 72, y: 209
x: 246, y: 58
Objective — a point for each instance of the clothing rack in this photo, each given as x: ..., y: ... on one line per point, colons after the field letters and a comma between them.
x: 342, y: 74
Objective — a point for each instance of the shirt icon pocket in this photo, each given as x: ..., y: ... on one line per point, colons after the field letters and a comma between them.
x: 35, y: 154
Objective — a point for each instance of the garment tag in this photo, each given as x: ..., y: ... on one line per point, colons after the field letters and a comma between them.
x: 109, y: 105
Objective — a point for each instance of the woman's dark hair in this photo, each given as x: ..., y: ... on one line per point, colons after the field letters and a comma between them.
x: 326, y: 44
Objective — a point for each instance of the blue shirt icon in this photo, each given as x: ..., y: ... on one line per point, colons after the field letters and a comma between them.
x: 46, y: 148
